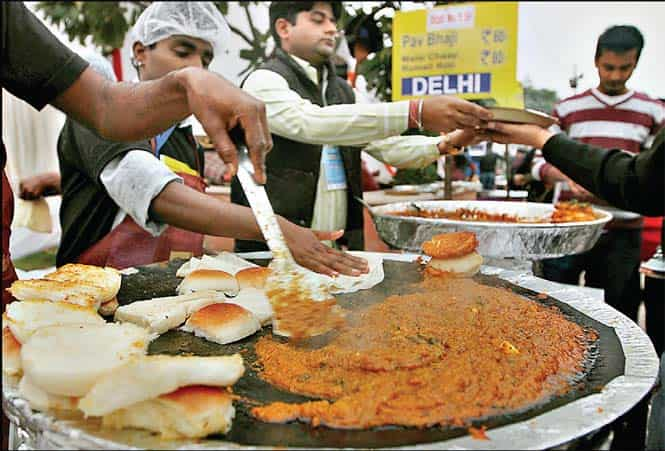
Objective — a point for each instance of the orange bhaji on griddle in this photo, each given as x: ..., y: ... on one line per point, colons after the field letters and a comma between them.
x: 454, y: 351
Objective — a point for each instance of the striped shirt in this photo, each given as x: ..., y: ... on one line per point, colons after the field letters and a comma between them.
x: 628, y: 121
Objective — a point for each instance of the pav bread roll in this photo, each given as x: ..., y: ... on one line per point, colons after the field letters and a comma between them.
x: 208, y: 279
x: 193, y: 412
x: 161, y: 314
x: 144, y: 378
x: 11, y: 353
x: 222, y: 323
x: 24, y: 318
x: 453, y: 253
x: 85, y: 285
x: 41, y: 400
x: 224, y: 261
x: 467, y: 265
x: 107, y: 279
x: 253, y: 277
x: 57, y: 291
x: 68, y: 360
x: 256, y: 301
x: 108, y: 308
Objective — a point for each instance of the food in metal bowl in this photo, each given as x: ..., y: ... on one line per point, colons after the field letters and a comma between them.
x: 569, y: 211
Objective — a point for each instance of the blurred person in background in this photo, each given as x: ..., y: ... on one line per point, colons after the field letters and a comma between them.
x: 608, y: 116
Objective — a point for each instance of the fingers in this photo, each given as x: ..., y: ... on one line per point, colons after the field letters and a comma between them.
x: 328, y: 236
x: 323, y: 259
x: 226, y: 149
x: 476, y: 111
x: 340, y: 262
x: 258, y: 139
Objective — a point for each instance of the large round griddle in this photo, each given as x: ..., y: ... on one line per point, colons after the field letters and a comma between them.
x: 621, y: 370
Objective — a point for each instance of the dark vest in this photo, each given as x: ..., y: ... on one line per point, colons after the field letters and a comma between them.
x: 293, y: 167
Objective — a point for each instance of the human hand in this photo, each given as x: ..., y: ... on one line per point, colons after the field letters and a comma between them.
x: 526, y: 134
x: 39, y: 185
x: 520, y: 179
x: 308, y: 251
x: 461, y: 138
x: 446, y: 113
x: 579, y: 192
x: 220, y: 106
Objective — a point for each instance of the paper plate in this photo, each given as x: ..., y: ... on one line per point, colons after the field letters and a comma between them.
x: 526, y: 116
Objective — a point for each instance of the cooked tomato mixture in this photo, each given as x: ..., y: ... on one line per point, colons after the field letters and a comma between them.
x: 456, y: 351
x: 569, y: 211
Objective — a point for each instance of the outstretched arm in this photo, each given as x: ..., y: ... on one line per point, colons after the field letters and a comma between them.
x: 186, y: 208
x: 132, y: 111
x: 631, y: 182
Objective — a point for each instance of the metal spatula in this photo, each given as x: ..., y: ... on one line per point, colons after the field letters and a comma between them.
x: 258, y: 200
x: 287, y: 276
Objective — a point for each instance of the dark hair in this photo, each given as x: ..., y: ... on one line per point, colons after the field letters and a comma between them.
x: 289, y: 11
x: 620, y: 39
x: 363, y: 29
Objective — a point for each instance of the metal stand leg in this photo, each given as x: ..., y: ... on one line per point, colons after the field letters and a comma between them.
x: 13, y: 437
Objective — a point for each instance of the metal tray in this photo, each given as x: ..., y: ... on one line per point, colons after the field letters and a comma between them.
x: 497, y: 240
x: 617, y: 384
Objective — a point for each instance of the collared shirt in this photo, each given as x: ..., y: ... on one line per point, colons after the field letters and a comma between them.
x: 373, y: 126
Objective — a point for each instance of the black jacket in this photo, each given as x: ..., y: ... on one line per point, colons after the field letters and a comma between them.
x: 292, y: 167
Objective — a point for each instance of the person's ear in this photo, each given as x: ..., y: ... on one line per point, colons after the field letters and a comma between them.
x: 283, y: 28
x: 139, y: 51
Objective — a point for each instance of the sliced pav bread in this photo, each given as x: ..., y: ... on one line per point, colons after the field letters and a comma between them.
x: 148, y: 377
x: 162, y: 314
x: 256, y: 301
x: 24, y: 318
x: 11, y: 353
x: 222, y: 323
x: 68, y: 360
x: 193, y: 412
x: 208, y: 279
x: 41, y: 400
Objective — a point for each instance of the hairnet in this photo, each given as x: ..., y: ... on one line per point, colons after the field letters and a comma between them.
x: 99, y: 64
x: 200, y: 20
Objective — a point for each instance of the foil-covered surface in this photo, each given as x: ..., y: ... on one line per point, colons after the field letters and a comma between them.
x: 499, y: 240
x: 553, y: 428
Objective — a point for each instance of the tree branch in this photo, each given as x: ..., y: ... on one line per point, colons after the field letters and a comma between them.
x: 240, y: 33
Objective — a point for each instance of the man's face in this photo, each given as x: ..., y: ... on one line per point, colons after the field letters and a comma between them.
x: 313, y: 35
x: 172, y: 53
x: 614, y: 70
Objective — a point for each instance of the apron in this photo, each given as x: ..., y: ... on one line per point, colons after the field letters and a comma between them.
x: 129, y: 245
x: 8, y: 272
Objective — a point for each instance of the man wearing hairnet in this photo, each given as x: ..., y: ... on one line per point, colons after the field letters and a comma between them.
x: 127, y: 204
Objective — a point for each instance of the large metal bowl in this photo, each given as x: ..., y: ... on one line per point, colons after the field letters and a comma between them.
x: 496, y: 239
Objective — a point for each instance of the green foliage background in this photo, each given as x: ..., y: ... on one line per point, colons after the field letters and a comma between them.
x: 106, y: 23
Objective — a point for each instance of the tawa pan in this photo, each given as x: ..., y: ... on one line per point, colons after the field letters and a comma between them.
x: 498, y: 240
x: 540, y: 426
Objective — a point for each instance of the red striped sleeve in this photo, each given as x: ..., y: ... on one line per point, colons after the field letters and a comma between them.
x: 612, y: 115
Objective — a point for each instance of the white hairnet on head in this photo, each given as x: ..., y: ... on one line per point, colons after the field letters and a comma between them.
x: 200, y: 20
x: 99, y: 64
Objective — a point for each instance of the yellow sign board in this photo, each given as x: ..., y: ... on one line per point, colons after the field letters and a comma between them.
x: 465, y: 49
